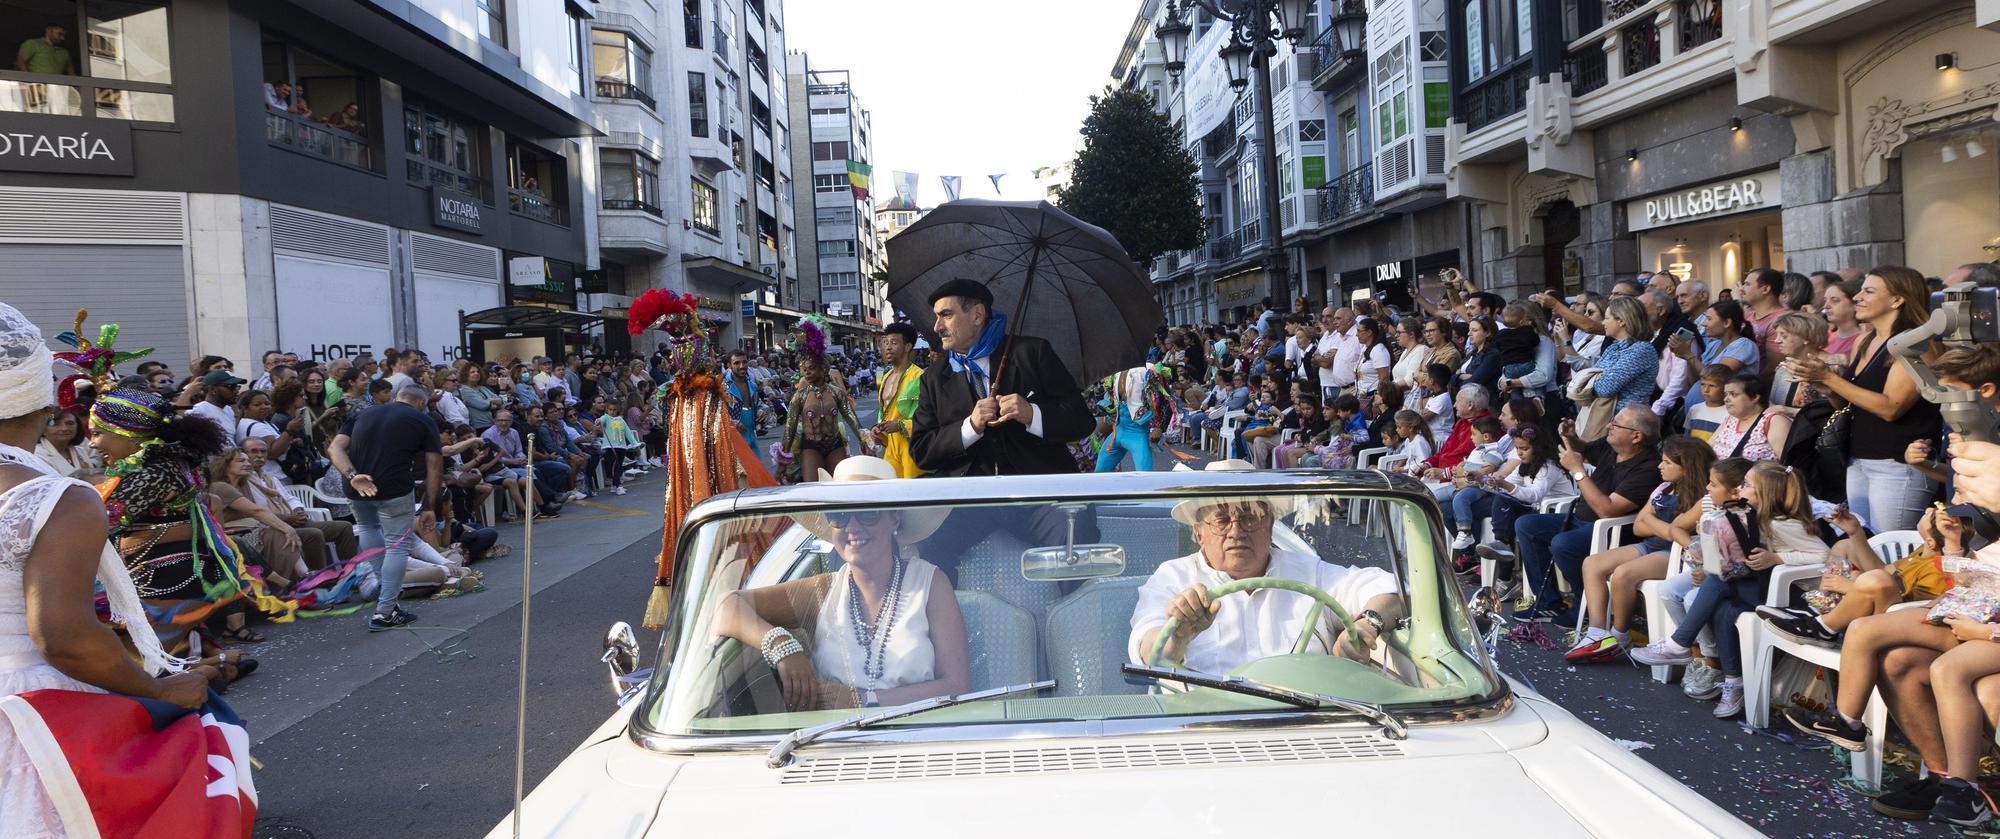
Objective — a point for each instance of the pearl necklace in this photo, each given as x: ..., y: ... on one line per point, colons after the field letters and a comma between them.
x: 874, y: 637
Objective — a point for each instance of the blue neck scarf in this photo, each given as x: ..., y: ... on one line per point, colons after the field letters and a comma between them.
x: 987, y: 345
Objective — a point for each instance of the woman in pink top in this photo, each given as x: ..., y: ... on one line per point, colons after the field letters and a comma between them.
x: 1844, y: 327
x: 1753, y: 430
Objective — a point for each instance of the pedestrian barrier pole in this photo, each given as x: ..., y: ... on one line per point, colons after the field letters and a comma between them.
x: 527, y: 592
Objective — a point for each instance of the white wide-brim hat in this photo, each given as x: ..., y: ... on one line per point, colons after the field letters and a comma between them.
x: 1188, y: 511
x: 917, y: 525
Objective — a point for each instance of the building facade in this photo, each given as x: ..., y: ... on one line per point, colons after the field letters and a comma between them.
x: 841, y: 260
x: 1592, y: 141
x: 325, y: 177
x: 696, y: 156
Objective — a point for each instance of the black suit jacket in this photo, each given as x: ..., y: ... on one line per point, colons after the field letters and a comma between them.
x: 1032, y: 370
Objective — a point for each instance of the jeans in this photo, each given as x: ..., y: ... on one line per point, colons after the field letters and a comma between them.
x: 387, y: 523
x: 1467, y: 506
x: 1716, y: 606
x: 1677, y: 594
x: 1888, y: 495
x: 1551, y: 541
x: 550, y: 478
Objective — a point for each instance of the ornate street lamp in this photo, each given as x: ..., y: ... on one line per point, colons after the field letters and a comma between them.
x: 1256, y: 26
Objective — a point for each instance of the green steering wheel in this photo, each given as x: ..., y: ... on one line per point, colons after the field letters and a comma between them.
x: 1320, y: 600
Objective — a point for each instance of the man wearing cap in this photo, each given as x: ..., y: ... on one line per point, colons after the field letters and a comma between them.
x: 969, y: 424
x: 218, y: 400
x: 1217, y: 635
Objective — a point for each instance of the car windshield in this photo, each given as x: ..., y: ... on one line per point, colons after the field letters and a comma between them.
x: 784, y: 621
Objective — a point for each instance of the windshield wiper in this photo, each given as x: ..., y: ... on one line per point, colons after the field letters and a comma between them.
x: 1393, y: 726
x: 781, y: 754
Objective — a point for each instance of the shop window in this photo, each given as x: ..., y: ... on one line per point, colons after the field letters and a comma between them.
x: 316, y: 106
x: 445, y: 150
x: 631, y: 181
x: 697, y: 104
x: 624, y: 67
x: 706, y: 215
x: 111, y: 54
x: 536, y: 183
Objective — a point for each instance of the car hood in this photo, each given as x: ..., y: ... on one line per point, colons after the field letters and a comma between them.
x: 1534, y: 770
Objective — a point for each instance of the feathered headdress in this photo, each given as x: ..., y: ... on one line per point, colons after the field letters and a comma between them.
x: 809, y: 336
x: 678, y: 316
x: 93, y: 361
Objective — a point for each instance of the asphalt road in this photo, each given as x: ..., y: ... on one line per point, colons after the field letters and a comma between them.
x: 426, y: 747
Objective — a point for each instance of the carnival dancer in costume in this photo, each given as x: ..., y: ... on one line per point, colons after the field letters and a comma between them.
x: 1142, y: 409
x: 897, y: 390
x: 742, y: 393
x: 703, y: 458
x: 813, y: 433
x: 51, y: 546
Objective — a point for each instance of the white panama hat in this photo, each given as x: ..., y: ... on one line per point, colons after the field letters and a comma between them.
x: 917, y: 525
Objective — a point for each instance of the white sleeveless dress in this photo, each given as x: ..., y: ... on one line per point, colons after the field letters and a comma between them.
x: 908, y: 659
x: 25, y: 808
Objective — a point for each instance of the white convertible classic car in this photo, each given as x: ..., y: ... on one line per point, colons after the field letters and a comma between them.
x: 1133, y: 654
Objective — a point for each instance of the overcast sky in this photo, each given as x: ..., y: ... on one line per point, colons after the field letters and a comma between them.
x: 967, y: 87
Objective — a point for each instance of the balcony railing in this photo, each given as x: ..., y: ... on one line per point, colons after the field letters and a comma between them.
x: 722, y: 43
x: 1495, y: 97
x: 631, y: 204
x: 1698, y: 22
x: 692, y: 25
x: 535, y: 206
x: 1224, y: 247
x: 1333, y: 56
x: 1349, y: 194
x: 317, y: 139
x: 616, y: 89
x: 1641, y: 46
x: 1585, y: 69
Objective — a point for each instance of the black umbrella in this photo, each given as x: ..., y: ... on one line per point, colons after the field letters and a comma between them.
x: 1056, y: 277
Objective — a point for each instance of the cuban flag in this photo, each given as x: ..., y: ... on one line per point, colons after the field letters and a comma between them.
x: 117, y: 766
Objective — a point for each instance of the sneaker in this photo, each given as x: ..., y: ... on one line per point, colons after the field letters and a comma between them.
x: 1601, y: 650
x: 1827, y: 725
x: 1731, y: 702
x: 618, y: 490
x: 1496, y: 551
x: 1701, y: 682
x: 1778, y: 613
x: 1463, y: 542
x: 1537, y: 614
x: 1465, y: 565
x: 1804, y: 630
x: 1962, y: 803
x: 1913, y: 799
x: 1664, y: 653
x: 396, y: 617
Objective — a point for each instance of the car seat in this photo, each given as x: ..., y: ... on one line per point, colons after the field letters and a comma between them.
x: 1086, y: 637
x: 1000, y: 638
x: 1150, y: 537
x: 993, y: 565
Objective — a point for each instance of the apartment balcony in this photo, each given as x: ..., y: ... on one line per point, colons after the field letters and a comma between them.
x: 1499, y: 95
x: 1224, y: 248
x: 536, y: 206
x: 1347, y: 195
x: 1639, y: 36
x: 1341, y: 51
x: 616, y: 89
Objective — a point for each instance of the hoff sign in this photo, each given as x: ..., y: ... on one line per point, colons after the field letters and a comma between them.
x: 456, y: 210
x: 74, y: 145
x: 1737, y: 195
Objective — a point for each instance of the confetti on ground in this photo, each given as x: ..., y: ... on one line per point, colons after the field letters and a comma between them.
x: 1633, y: 745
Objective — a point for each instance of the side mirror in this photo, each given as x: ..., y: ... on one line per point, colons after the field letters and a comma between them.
x: 1485, y: 609
x: 621, y: 657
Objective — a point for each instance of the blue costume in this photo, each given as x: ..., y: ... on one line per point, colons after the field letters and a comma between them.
x: 1132, y: 391
x: 742, y: 405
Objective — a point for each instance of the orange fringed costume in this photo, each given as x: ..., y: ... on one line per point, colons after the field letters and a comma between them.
x: 705, y: 454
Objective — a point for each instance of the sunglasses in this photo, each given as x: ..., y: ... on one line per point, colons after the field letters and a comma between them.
x: 842, y: 520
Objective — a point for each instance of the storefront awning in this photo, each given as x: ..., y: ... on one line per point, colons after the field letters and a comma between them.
x: 528, y: 316
x: 721, y: 273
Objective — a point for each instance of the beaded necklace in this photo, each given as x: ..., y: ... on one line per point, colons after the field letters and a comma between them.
x: 874, y: 637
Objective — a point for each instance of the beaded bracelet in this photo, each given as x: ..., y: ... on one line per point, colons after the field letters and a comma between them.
x: 779, y: 645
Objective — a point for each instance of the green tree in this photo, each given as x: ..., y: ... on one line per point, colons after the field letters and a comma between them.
x: 1135, y: 179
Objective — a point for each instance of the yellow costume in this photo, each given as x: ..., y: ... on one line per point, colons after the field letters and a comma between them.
x: 899, y: 404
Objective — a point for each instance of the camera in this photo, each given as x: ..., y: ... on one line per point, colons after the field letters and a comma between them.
x: 1962, y: 315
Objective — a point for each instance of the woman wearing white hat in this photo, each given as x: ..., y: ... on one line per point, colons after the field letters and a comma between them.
x: 885, y: 629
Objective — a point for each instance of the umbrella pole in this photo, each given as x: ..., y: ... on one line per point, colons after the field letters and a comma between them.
x: 1020, y: 313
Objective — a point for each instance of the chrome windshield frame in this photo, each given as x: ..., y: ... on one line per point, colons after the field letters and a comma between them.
x: 1111, y: 488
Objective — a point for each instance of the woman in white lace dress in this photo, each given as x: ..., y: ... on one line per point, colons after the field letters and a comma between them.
x: 52, y: 545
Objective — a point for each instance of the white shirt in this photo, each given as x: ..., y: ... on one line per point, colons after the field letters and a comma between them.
x: 1347, y: 357
x: 452, y: 407
x: 967, y: 436
x: 906, y: 656
x: 1254, y: 624
x: 1328, y: 344
x: 224, y: 417
x: 1407, y: 367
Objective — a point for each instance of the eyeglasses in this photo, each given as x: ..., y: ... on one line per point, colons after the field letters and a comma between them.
x: 843, y: 520
x: 1625, y: 427
x: 1242, y: 521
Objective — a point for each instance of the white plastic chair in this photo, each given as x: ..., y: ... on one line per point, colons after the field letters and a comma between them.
x: 1660, y: 622
x: 1760, y: 648
x: 1231, y: 421
x: 1362, y: 459
x: 1489, y: 569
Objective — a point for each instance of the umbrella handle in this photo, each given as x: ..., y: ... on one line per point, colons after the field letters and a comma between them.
x: 1020, y: 313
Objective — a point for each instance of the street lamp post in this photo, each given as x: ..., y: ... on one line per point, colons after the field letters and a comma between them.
x: 1256, y: 27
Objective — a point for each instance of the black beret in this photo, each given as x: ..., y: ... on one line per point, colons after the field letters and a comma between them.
x: 962, y: 287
